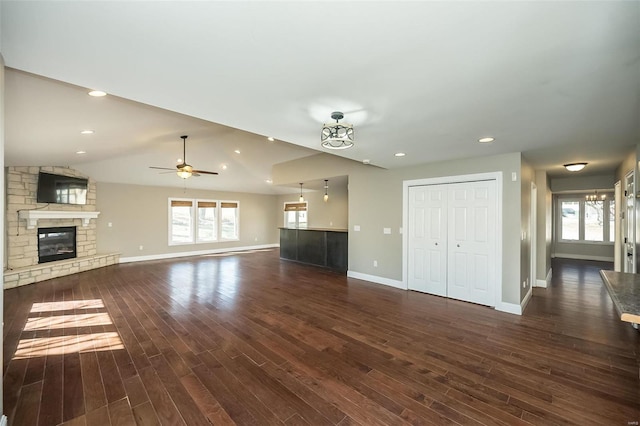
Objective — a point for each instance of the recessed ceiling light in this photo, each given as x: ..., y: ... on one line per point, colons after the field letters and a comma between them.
x: 81, y: 152
x: 366, y: 161
x: 270, y: 139
x: 179, y: 161
x: 269, y: 181
x: 486, y: 140
x: 399, y: 154
x: 237, y: 151
x: 97, y: 93
x: 224, y: 167
x: 87, y: 132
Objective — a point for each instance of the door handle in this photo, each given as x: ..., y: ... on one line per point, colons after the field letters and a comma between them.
x: 436, y: 243
x: 458, y: 245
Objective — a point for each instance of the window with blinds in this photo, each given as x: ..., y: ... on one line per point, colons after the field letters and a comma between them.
x: 295, y: 215
x: 193, y: 221
x: 180, y: 221
x: 229, y: 220
x: 207, y: 230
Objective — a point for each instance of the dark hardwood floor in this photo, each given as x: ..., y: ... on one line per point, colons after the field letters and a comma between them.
x: 249, y: 339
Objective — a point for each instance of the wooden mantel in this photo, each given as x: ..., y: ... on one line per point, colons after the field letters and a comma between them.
x: 32, y: 216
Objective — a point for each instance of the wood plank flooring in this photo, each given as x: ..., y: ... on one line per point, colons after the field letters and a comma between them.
x: 248, y: 339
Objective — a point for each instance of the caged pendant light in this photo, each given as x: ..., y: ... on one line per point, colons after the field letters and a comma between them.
x: 337, y: 135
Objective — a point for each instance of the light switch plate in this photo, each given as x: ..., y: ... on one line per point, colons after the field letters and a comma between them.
x: 356, y: 227
x: 386, y: 230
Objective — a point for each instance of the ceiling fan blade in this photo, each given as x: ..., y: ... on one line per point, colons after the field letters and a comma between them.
x: 162, y: 168
x: 204, y: 172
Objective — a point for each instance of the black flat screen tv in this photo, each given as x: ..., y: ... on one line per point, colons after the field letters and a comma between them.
x: 61, y: 189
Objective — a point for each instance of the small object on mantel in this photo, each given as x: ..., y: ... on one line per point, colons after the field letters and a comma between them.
x: 624, y: 289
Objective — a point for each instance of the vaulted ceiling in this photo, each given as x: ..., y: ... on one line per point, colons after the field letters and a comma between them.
x: 558, y: 81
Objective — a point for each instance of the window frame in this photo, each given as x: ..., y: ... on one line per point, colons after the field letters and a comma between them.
x: 237, y: 238
x: 297, y: 222
x: 216, y: 218
x: 580, y: 199
x: 194, y: 237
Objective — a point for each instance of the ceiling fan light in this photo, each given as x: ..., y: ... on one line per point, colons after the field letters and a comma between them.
x: 575, y: 167
x: 337, y: 135
x: 184, y: 174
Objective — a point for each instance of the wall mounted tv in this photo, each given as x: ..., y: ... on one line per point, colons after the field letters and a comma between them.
x: 61, y: 189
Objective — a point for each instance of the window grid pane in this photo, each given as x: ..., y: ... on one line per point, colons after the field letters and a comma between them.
x: 206, y: 223
x: 229, y: 228
x: 612, y: 220
x: 570, y: 220
x: 594, y: 220
x: 181, y: 225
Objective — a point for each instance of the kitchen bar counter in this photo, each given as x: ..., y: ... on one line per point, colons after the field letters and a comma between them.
x: 624, y: 289
x: 326, y: 247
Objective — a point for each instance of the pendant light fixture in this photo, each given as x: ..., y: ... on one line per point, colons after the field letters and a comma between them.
x: 337, y: 135
x: 301, y: 199
x: 326, y: 187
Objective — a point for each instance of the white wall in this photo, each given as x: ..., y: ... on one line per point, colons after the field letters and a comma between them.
x: 543, y: 228
x: 139, y: 217
x: 375, y: 202
x: 582, y: 183
x: 2, y: 218
x: 332, y: 214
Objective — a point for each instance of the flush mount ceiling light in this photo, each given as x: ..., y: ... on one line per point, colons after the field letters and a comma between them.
x: 270, y: 139
x: 97, y: 93
x: 575, y: 167
x: 399, y: 154
x: 337, y: 135
x: 87, y: 132
x: 326, y: 187
x: 486, y: 140
x: 301, y: 199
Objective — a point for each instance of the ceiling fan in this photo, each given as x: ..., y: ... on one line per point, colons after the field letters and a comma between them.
x: 185, y: 170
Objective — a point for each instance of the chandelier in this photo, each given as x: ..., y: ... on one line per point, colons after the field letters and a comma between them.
x: 337, y: 135
x: 595, y: 197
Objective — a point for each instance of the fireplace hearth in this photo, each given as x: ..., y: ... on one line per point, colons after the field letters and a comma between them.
x: 56, y: 243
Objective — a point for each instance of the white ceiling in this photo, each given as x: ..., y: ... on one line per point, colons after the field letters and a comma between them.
x: 558, y: 81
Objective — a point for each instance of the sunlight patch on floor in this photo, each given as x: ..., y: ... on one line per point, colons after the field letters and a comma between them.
x: 64, y: 330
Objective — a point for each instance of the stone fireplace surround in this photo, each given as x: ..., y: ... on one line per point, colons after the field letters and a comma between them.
x: 22, y: 221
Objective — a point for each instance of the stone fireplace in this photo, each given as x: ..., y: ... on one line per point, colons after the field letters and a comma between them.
x: 56, y: 243
x: 25, y: 220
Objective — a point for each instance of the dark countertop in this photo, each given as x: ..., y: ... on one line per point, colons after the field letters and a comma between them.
x: 624, y: 289
x: 317, y: 229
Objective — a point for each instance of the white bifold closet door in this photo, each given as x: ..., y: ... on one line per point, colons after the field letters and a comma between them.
x: 452, y: 240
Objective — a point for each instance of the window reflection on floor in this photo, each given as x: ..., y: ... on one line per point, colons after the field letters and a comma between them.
x: 67, y: 329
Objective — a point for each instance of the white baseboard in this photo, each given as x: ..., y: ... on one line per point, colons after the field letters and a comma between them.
x: 525, y: 301
x: 376, y: 279
x: 541, y: 283
x: 4, y: 421
x: 583, y: 257
x: 193, y: 253
x: 544, y: 283
x: 510, y: 308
